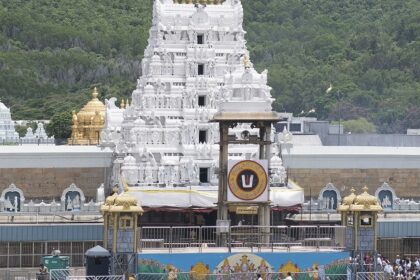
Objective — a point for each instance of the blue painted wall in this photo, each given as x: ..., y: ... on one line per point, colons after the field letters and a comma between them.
x: 214, y: 261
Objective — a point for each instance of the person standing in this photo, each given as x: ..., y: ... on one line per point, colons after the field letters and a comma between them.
x: 389, y: 271
x: 289, y: 276
x: 43, y: 272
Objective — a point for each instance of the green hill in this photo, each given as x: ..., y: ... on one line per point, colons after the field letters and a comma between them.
x: 53, y: 51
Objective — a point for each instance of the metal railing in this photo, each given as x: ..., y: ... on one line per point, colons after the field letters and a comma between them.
x: 58, y: 274
x: 254, y: 237
x: 370, y: 275
x: 104, y: 277
x: 240, y: 276
x: 17, y: 274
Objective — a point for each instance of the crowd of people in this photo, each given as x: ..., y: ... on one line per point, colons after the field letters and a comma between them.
x: 400, y: 268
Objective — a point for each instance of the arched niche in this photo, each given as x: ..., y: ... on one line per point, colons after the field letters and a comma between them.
x: 12, y: 199
x: 72, y: 199
x: 386, y: 196
x: 329, y: 197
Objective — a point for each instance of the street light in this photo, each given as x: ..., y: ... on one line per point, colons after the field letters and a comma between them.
x: 338, y: 95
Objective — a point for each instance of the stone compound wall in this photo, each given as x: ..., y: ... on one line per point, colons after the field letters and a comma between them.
x: 49, y: 183
x: 406, y: 182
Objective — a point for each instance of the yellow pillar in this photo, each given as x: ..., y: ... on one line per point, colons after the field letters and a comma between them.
x: 356, y: 226
x: 106, y: 216
x: 114, y: 238
x: 135, y: 232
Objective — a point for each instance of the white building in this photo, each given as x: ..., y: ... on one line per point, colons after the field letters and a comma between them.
x: 7, y: 127
x: 195, y: 64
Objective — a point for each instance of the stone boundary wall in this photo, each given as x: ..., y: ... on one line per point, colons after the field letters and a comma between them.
x: 49, y: 183
x: 405, y: 182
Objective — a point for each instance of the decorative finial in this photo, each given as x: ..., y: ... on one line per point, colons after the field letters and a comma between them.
x: 246, y: 61
x: 352, y: 190
x: 365, y: 189
x: 94, y: 93
x: 127, y: 104
x: 122, y: 106
x: 74, y: 117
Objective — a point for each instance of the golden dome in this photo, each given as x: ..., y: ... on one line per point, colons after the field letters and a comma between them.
x: 110, y: 200
x: 121, y: 203
x: 89, y: 110
x: 366, y: 200
x: 125, y: 200
x: 361, y: 202
x: 348, y: 200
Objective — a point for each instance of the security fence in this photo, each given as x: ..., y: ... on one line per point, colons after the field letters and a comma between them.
x: 54, y: 274
x: 197, y: 238
x: 58, y: 274
x: 370, y: 275
x: 29, y: 254
x: 254, y: 237
x: 15, y: 274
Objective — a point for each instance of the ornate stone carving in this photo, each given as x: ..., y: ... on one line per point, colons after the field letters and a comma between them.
x: 72, y: 199
x: 329, y: 197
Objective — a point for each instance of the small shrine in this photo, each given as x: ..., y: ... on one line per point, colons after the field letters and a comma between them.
x: 38, y: 137
x: 88, y: 122
x: 359, y: 214
x: 121, y: 235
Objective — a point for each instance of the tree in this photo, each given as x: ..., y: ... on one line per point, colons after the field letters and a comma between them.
x: 360, y: 125
x: 60, y: 125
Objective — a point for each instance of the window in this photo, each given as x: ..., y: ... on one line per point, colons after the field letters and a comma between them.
x: 200, y: 69
x: 202, y: 136
x: 366, y: 221
x: 295, y: 127
x: 201, y: 100
x: 204, y: 175
x: 126, y: 222
x: 200, y: 39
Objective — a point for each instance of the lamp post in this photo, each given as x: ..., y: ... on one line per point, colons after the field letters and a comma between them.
x: 338, y: 95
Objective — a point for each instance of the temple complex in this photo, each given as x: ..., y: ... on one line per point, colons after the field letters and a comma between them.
x: 88, y: 122
x: 196, y: 64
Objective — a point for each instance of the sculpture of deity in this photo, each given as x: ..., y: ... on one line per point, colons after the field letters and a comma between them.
x: 16, y: 205
x: 76, y: 202
x: 211, y: 68
x: 149, y: 174
x: 161, y: 174
x: 332, y: 201
x: 69, y: 204
x: 386, y: 202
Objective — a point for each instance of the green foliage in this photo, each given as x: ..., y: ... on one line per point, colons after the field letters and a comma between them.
x: 52, y: 52
x: 360, y: 125
x: 22, y: 129
x: 60, y: 125
x: 367, y: 49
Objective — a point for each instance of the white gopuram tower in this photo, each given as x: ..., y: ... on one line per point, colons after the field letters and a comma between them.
x: 195, y: 61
